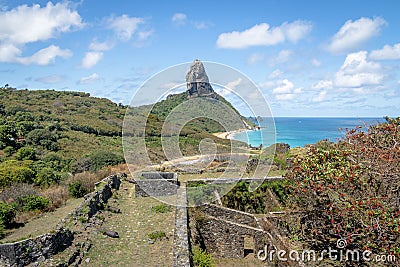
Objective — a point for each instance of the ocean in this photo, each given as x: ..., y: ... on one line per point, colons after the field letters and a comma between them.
x: 298, y: 132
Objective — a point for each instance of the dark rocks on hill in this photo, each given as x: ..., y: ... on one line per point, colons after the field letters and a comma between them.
x: 197, y: 81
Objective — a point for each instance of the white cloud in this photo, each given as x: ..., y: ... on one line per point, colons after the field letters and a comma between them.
x: 323, y: 84
x: 90, y: 79
x: 275, y: 74
x: 179, y: 18
x: 263, y: 35
x: 353, y: 33
x: 254, y: 58
x: 27, y: 24
x: 320, y: 97
x: 282, y: 57
x: 285, y: 86
x: 45, y: 56
x: 103, y: 46
x: 356, y: 71
x: 124, y: 26
x: 387, y: 52
x: 315, y: 62
x: 91, y: 59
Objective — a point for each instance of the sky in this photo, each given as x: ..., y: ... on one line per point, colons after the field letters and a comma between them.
x: 308, y: 58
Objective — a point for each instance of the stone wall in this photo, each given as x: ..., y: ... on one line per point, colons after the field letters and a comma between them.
x: 230, y: 215
x: 156, y: 184
x: 222, y: 231
x: 39, y: 248
x: 181, y: 238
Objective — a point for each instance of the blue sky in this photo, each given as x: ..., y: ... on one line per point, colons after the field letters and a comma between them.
x: 309, y: 58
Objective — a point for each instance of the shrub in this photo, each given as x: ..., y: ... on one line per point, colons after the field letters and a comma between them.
x: 16, y: 191
x: 201, y: 258
x: 12, y: 171
x: 33, y: 202
x: 7, y: 213
x: 44, y: 138
x: 47, y: 177
x: 26, y: 153
x: 57, y: 194
x: 76, y: 189
x: 96, y: 160
x: 350, y: 189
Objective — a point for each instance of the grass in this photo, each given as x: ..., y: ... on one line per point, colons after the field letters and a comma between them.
x: 134, y: 225
x: 43, y: 224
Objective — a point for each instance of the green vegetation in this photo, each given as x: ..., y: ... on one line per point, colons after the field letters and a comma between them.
x: 350, y: 190
x: 201, y: 258
x: 32, y: 202
x: 76, y: 189
x: 157, y: 235
x: 45, y: 136
x: 7, y: 214
x: 162, y: 208
x: 258, y: 201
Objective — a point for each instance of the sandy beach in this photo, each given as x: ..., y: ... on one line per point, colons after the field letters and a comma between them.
x: 228, y: 135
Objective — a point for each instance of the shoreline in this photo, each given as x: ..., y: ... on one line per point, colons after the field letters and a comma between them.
x: 228, y: 135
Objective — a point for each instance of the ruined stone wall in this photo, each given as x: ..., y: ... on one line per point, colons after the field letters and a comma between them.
x: 156, y: 184
x: 39, y: 248
x: 226, y: 239
x: 230, y: 215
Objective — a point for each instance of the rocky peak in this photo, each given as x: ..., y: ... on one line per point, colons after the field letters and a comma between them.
x: 197, y: 81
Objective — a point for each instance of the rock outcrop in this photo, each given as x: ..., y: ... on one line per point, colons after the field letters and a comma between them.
x: 197, y: 81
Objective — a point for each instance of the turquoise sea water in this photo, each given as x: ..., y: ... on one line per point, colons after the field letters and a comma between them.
x: 302, y: 131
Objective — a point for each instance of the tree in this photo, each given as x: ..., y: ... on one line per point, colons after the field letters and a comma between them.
x: 44, y: 138
x: 26, y: 153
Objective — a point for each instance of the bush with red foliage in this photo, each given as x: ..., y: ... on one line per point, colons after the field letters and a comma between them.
x: 351, y: 190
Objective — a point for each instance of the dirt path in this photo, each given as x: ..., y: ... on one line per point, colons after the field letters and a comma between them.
x: 135, y: 222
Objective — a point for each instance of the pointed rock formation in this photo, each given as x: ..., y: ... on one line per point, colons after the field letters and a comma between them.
x: 197, y: 81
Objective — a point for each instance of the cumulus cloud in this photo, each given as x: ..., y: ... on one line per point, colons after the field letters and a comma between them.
x: 91, y: 59
x: 264, y: 35
x: 124, y: 26
x: 387, y: 52
x: 28, y: 24
x: 45, y: 56
x: 357, y: 71
x: 90, y: 79
x: 285, y: 90
x: 354, y: 33
x: 179, y: 18
x: 286, y: 86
